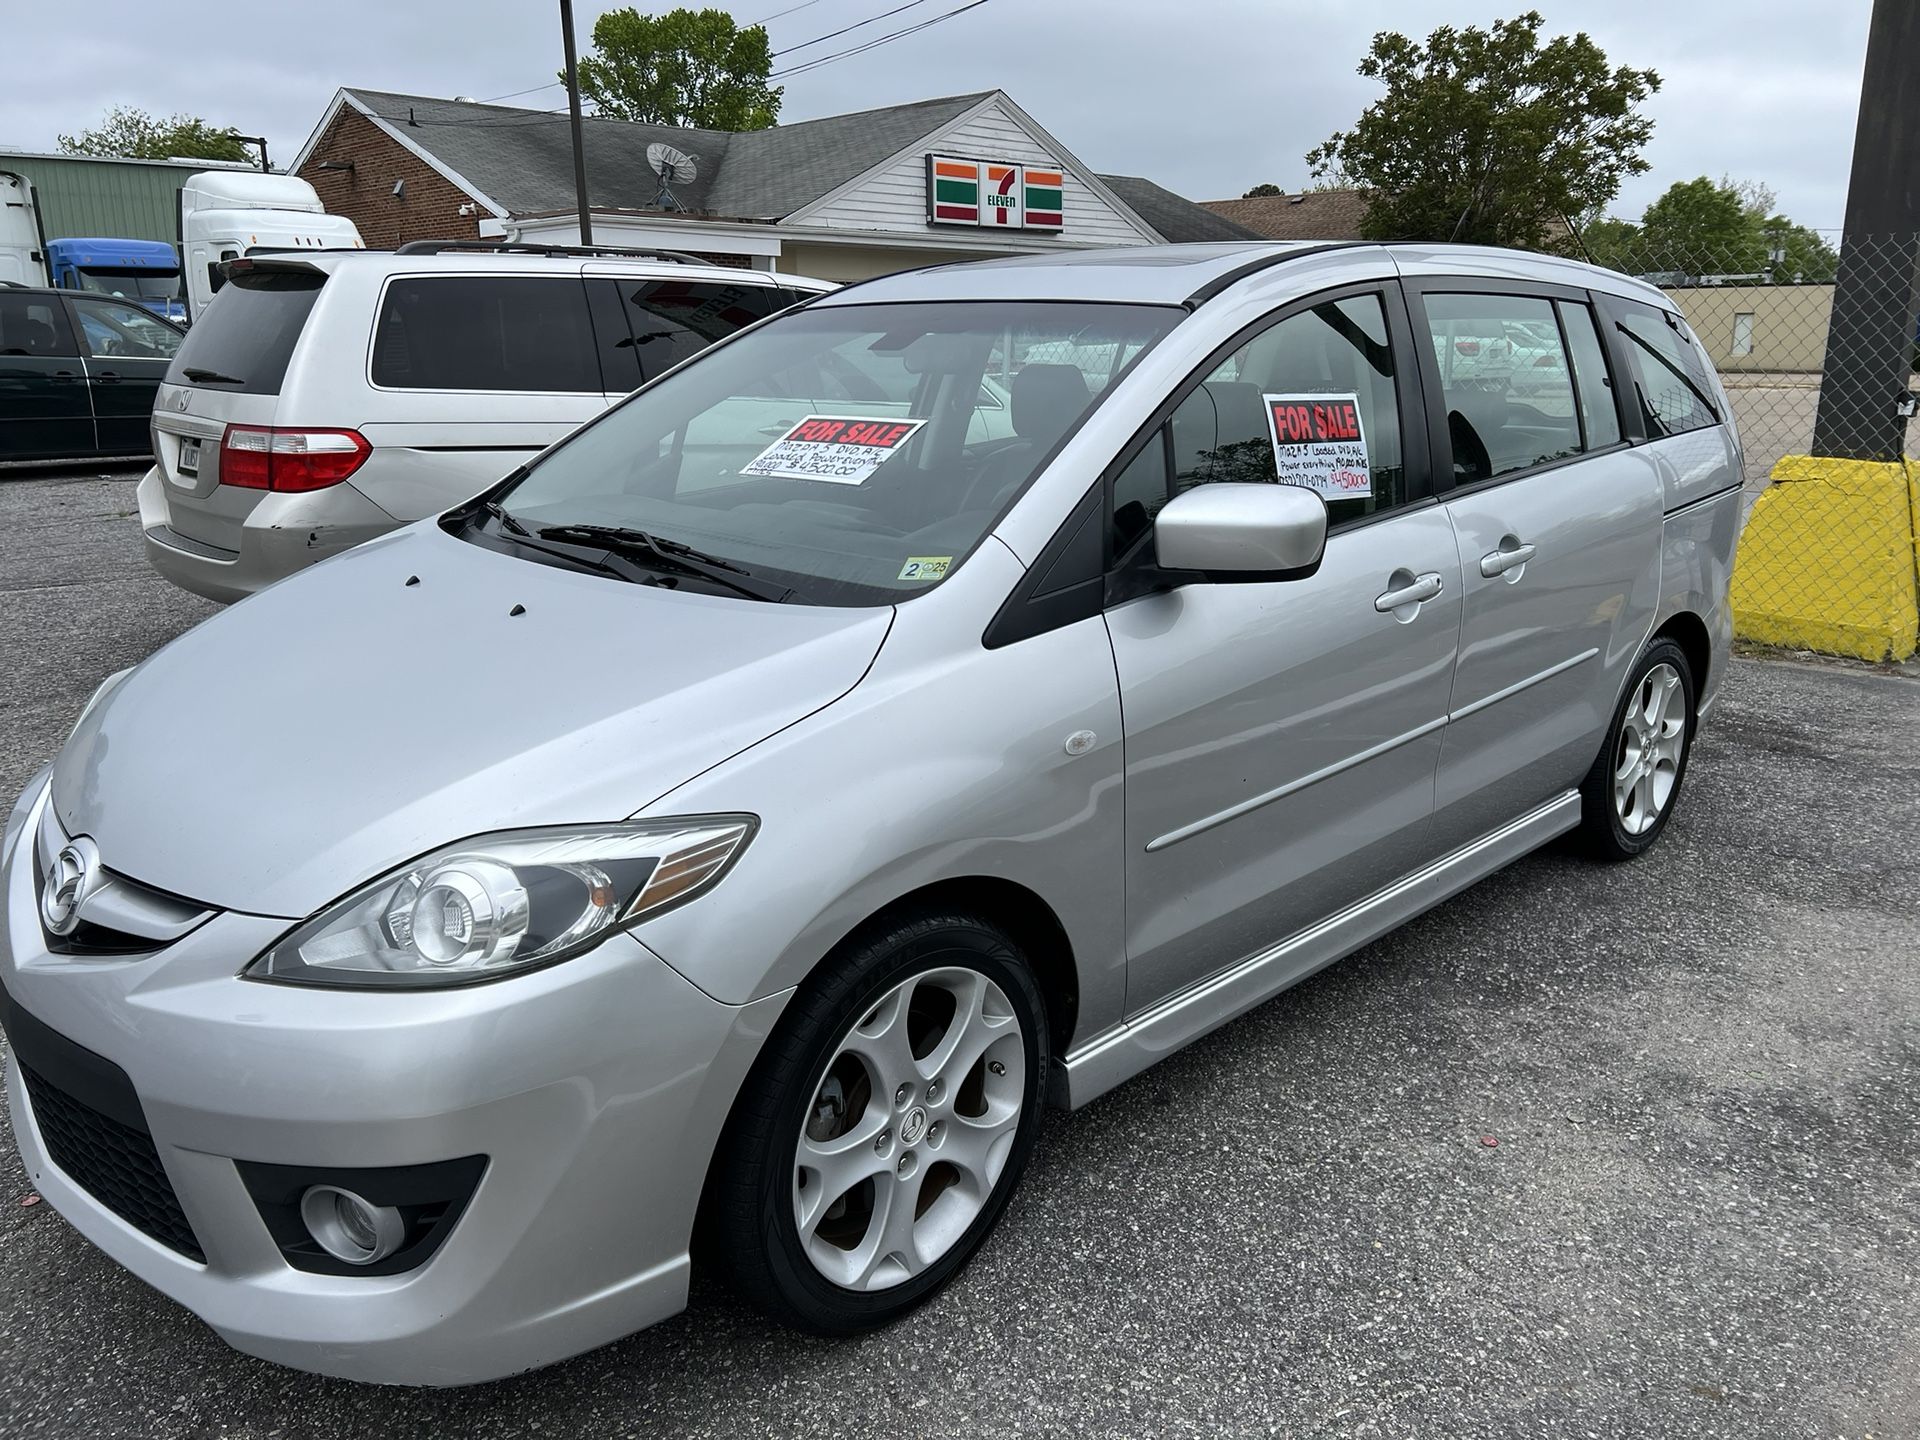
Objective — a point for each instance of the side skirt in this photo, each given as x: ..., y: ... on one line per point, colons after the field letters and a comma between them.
x: 1128, y: 1048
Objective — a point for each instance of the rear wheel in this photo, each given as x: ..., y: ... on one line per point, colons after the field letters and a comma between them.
x: 885, y: 1125
x: 1629, y: 794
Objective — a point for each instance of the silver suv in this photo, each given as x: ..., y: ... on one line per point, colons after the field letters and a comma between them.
x: 755, y: 810
x: 325, y: 398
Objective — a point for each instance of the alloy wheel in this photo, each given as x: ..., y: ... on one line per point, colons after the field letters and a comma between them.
x: 909, y: 1129
x: 1653, y: 736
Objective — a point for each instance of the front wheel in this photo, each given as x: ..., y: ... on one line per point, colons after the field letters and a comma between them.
x: 1629, y: 794
x: 885, y: 1125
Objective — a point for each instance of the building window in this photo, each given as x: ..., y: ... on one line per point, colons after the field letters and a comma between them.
x: 1743, y: 333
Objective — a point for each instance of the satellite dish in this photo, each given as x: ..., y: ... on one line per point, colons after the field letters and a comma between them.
x: 674, y: 167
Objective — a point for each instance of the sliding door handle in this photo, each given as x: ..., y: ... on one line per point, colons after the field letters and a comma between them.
x: 1511, y: 555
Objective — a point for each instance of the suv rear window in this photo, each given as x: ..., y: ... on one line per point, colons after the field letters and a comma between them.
x: 245, y: 337
x: 486, y: 332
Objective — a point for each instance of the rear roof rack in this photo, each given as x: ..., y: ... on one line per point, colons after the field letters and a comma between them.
x: 487, y: 247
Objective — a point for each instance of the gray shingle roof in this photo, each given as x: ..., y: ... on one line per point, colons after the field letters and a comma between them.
x: 1176, y: 218
x: 523, y: 159
x: 776, y: 172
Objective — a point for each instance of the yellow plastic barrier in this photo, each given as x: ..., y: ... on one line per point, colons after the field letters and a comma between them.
x: 1828, y: 559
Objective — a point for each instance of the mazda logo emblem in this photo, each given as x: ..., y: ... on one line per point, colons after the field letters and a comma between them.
x: 74, y: 875
x: 182, y: 400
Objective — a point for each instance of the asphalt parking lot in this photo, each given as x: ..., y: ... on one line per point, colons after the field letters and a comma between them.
x: 1700, y: 1217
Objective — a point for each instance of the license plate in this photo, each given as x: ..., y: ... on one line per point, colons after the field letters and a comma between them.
x: 189, y: 461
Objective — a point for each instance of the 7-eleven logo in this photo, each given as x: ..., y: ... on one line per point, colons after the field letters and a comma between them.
x: 1005, y: 196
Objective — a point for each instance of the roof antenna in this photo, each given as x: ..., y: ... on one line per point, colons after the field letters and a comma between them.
x: 674, y: 167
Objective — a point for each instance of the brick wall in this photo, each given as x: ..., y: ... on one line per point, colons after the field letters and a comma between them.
x: 430, y: 209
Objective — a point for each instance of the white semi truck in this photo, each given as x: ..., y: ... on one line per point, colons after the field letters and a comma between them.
x: 225, y: 214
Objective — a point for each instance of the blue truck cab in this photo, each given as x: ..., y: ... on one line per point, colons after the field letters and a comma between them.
x: 146, y: 272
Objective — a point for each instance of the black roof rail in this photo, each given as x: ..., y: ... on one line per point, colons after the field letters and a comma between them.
x: 521, y: 247
x: 1253, y: 267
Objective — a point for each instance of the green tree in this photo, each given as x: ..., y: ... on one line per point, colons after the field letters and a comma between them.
x: 1797, y: 255
x: 139, y: 136
x: 1489, y: 136
x: 686, y: 67
x: 1704, y: 228
x: 1616, y: 244
x: 1262, y: 190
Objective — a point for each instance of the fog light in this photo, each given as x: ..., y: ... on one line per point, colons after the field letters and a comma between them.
x: 349, y: 1228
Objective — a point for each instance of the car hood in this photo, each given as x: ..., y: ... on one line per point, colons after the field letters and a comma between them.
x: 419, y: 690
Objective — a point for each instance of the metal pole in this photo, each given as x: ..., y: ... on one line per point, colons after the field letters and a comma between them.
x: 573, y: 105
x: 1870, y: 339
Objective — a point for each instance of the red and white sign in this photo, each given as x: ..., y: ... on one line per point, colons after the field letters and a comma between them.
x: 1320, y: 444
x: 839, y: 449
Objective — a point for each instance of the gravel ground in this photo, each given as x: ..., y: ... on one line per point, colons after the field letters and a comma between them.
x: 1699, y: 1219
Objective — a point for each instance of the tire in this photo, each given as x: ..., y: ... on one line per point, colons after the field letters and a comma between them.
x: 1626, y: 800
x: 832, y: 1096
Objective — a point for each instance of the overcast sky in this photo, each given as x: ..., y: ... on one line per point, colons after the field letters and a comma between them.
x: 1206, y: 97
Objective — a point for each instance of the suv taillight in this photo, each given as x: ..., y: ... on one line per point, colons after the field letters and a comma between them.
x: 258, y: 457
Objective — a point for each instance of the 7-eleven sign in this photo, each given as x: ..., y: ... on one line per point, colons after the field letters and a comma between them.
x: 989, y: 194
x: 1003, y: 196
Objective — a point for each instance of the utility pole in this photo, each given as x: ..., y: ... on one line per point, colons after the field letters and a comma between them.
x: 1870, y: 340
x: 573, y: 105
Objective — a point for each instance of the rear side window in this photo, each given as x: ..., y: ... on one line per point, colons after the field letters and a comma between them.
x: 1671, y: 388
x: 671, y: 320
x: 245, y: 337
x: 1505, y: 381
x: 486, y: 332
x: 33, y: 325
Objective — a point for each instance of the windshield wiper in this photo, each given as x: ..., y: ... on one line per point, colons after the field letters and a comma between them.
x: 637, y: 544
x: 201, y: 376
x: 507, y: 521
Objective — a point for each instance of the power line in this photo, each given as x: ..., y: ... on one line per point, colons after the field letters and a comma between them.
x: 790, y: 10
x: 874, y: 44
x: 846, y: 28
x: 511, y: 94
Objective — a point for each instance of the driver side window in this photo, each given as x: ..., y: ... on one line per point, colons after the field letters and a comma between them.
x: 109, y: 328
x: 1311, y: 400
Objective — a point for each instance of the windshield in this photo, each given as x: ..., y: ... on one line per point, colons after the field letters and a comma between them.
x: 132, y: 284
x: 854, y: 453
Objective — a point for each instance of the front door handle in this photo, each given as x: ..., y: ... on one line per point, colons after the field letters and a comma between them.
x: 106, y: 377
x: 1510, y: 555
x: 1409, y: 592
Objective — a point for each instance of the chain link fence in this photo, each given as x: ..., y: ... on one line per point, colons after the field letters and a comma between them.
x: 1831, y: 566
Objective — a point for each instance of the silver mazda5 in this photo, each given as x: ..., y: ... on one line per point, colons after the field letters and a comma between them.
x: 744, y: 818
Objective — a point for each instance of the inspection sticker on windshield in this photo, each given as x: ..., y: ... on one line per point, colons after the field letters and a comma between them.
x: 926, y: 567
x: 839, y: 449
x: 1318, y: 444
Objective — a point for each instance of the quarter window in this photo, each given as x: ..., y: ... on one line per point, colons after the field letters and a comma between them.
x: 1599, y: 417
x: 1671, y: 387
x: 486, y: 332
x: 1505, y: 381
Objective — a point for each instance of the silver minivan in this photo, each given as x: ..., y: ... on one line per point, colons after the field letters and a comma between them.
x: 743, y: 827
x: 326, y: 397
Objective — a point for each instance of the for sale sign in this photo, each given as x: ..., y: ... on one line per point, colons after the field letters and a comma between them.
x: 1319, y: 444
x: 839, y: 449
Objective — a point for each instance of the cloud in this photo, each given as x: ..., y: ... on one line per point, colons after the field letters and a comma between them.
x: 1206, y: 97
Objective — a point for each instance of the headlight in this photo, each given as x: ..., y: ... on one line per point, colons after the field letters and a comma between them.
x: 500, y: 904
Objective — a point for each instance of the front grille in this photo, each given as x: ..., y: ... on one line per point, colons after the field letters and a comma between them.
x: 111, y: 1161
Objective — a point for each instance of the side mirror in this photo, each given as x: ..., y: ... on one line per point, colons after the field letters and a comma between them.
x: 1242, y: 532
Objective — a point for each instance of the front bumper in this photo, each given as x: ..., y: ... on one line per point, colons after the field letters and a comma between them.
x: 281, y: 534
x: 596, y: 1089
